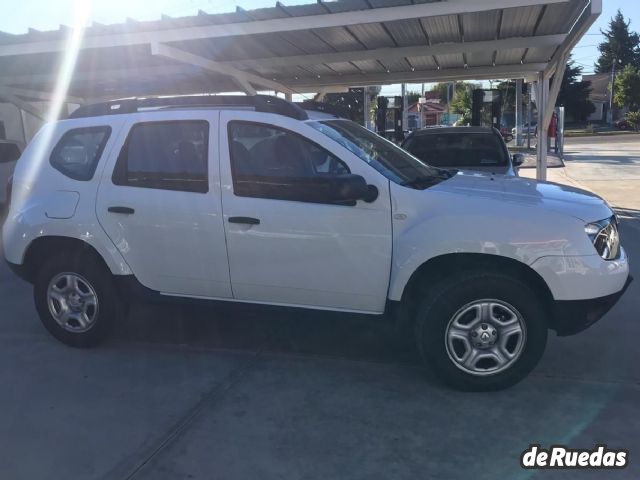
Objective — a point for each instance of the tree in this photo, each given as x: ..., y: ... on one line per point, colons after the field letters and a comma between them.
x: 351, y: 103
x: 620, y: 45
x: 508, y: 91
x: 634, y: 119
x: 461, y: 104
x: 441, y: 88
x: 574, y: 94
x: 627, y: 88
x: 413, y: 97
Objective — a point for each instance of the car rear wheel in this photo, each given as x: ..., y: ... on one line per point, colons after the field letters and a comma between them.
x: 481, y: 331
x: 76, y: 299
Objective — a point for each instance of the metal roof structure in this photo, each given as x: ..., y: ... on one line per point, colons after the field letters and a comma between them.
x: 314, y: 47
x: 303, y: 48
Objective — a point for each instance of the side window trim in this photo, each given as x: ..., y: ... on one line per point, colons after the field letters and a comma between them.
x: 120, y: 168
x: 106, y: 129
x: 237, y: 178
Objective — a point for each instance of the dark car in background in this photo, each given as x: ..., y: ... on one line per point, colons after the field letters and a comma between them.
x: 10, y: 151
x: 623, y: 124
x: 464, y: 148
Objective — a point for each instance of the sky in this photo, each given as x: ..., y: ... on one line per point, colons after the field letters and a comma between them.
x: 49, y: 14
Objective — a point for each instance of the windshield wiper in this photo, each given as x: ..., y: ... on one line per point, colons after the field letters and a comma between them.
x: 426, y: 181
x: 423, y: 181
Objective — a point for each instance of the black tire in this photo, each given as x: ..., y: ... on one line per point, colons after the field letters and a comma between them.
x: 447, y: 298
x: 110, y: 308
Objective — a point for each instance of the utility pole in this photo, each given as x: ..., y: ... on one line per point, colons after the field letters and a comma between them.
x: 613, y: 78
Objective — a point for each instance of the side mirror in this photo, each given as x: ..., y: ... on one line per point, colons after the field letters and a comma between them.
x: 9, y: 152
x: 518, y: 159
x: 351, y: 188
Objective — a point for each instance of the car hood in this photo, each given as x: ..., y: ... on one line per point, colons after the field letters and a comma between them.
x: 527, y: 192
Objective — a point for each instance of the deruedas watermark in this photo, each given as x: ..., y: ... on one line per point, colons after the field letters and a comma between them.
x: 559, y: 457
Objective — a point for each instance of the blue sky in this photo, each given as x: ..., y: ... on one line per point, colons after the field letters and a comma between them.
x: 49, y: 14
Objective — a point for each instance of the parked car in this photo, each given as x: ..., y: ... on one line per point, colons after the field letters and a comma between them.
x: 623, y: 124
x: 9, y: 154
x: 527, y: 130
x: 251, y: 199
x: 464, y: 148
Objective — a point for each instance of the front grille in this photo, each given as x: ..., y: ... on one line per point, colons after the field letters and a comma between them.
x: 607, y: 241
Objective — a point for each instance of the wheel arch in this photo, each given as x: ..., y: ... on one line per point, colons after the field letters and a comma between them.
x: 443, y: 266
x: 44, y: 247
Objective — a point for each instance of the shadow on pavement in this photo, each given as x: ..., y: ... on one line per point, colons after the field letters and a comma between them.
x: 274, y: 329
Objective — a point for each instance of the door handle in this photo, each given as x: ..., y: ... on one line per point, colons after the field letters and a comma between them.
x: 246, y: 220
x: 123, y: 210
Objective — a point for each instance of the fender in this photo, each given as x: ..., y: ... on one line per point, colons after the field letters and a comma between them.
x: 430, y: 223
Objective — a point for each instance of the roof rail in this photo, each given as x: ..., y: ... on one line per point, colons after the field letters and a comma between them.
x: 337, y: 110
x: 261, y: 103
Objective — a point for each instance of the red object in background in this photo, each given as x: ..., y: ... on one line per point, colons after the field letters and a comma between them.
x: 622, y: 125
x: 553, y: 126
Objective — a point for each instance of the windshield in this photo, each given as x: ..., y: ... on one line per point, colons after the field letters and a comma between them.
x: 388, y: 159
x: 460, y: 149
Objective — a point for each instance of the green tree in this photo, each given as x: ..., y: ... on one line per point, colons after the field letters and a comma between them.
x: 351, y: 103
x: 461, y: 103
x: 574, y: 94
x: 627, y: 88
x: 441, y: 88
x: 508, y: 91
x: 413, y: 97
x: 620, y: 45
x: 634, y: 119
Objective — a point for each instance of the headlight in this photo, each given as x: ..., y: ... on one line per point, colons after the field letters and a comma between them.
x: 605, y: 238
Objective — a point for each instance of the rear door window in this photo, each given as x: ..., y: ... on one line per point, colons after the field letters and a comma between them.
x: 77, y: 153
x: 171, y: 155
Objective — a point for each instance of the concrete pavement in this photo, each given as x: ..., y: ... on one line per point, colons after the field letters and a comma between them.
x: 256, y: 392
x: 609, y: 166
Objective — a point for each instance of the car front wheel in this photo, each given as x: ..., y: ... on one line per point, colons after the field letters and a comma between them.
x: 481, y: 331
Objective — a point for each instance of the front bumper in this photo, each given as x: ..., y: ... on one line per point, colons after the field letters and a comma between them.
x: 573, y: 316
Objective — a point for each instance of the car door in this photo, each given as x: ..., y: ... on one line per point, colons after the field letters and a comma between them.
x: 287, y: 251
x: 159, y: 202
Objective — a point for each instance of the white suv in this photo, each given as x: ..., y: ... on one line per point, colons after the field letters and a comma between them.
x: 253, y: 199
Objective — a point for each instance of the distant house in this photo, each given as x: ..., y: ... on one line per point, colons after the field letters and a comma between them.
x: 428, y: 113
x: 599, y: 95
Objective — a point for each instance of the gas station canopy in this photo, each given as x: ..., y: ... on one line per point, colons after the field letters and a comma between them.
x: 318, y: 47
x: 304, y: 48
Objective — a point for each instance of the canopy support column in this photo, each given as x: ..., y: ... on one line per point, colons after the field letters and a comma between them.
x: 542, y: 95
x: 519, y: 112
x: 405, y: 109
x: 366, y: 109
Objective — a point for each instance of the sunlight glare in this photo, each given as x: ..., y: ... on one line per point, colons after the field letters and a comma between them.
x: 43, y: 139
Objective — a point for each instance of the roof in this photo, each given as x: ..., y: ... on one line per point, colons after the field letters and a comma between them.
x: 599, y: 86
x: 427, y: 107
x: 440, y: 130
x: 302, y: 48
